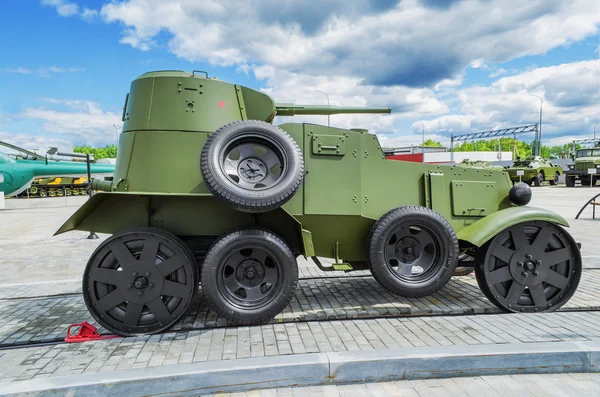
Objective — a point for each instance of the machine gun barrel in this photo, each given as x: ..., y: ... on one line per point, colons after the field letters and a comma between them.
x: 324, y: 110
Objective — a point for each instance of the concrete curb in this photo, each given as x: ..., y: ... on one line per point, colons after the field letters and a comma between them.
x: 321, y: 369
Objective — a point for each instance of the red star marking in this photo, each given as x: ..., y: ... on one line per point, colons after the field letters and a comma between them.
x: 221, y: 104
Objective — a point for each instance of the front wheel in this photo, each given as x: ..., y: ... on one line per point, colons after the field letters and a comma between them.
x: 249, y: 275
x: 412, y: 251
x: 570, y: 181
x: 530, y: 267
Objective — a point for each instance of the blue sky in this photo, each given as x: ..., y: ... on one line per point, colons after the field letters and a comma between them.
x: 445, y: 66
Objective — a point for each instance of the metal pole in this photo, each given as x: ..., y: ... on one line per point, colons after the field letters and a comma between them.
x: 116, y: 133
x: 423, y: 142
x: 538, y: 146
x: 92, y: 235
x: 327, y: 104
x: 452, y: 148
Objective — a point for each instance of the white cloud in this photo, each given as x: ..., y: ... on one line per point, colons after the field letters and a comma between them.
x: 398, y: 44
x: 406, y: 103
x: 65, y: 8
x: 19, y: 70
x: 84, y: 122
x: 571, y: 103
x: 41, y: 143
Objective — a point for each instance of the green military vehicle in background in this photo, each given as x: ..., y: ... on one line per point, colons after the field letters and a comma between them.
x: 535, y: 170
x: 207, y: 190
x: 585, y: 160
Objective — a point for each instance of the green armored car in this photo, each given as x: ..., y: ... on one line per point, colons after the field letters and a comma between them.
x: 585, y: 160
x: 535, y: 170
x: 208, y: 193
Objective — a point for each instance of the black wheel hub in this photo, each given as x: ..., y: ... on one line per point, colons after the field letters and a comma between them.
x: 411, y: 252
x: 253, y: 164
x: 250, y: 273
x: 249, y: 276
x: 526, y: 266
x: 142, y: 283
x: 408, y: 249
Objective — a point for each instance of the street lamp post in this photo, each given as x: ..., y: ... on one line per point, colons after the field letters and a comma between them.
x: 116, y: 133
x: 595, y: 132
x: 538, y: 143
x: 422, y: 140
x: 327, y: 104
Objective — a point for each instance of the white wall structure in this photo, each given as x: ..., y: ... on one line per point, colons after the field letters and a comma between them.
x: 2, y: 201
x: 445, y: 157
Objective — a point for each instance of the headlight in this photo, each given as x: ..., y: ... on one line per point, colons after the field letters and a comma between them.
x: 571, y: 167
x: 597, y: 165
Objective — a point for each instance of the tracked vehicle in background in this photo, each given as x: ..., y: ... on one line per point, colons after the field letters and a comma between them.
x: 208, y: 191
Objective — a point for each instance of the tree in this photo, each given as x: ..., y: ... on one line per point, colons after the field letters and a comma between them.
x: 506, y: 145
x: 431, y: 142
x: 109, y: 151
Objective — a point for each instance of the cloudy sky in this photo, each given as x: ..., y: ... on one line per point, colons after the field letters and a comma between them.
x: 443, y: 66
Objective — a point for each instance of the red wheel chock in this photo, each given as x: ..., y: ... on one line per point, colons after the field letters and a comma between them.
x: 86, y: 333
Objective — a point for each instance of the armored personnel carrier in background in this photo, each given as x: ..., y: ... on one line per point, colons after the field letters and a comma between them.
x: 207, y: 191
x: 536, y: 171
x: 479, y: 164
x: 585, y: 159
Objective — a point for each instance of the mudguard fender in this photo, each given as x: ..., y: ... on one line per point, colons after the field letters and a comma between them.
x: 485, y: 229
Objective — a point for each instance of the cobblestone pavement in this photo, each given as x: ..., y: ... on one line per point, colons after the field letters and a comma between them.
x: 294, y: 338
x: 556, y: 385
x: 46, y: 319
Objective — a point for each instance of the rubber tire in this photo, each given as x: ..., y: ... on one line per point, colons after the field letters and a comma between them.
x: 231, y: 241
x: 163, y: 233
x: 538, y: 180
x: 585, y: 180
x: 243, y: 200
x: 43, y: 193
x: 570, y: 181
x: 554, y: 180
x: 378, y: 238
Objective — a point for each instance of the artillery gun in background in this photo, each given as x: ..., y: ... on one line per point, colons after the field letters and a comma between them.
x: 56, y: 186
x: 536, y: 170
x: 19, y: 171
x: 242, y: 199
x: 584, y: 160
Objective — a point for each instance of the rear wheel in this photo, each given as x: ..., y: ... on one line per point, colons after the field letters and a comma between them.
x: 555, y: 180
x: 530, y: 267
x: 250, y: 276
x: 140, y: 281
x: 538, y: 179
x: 412, y: 251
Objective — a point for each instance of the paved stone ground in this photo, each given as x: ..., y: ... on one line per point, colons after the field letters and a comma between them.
x: 294, y: 338
x: 558, y: 385
x: 46, y: 319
